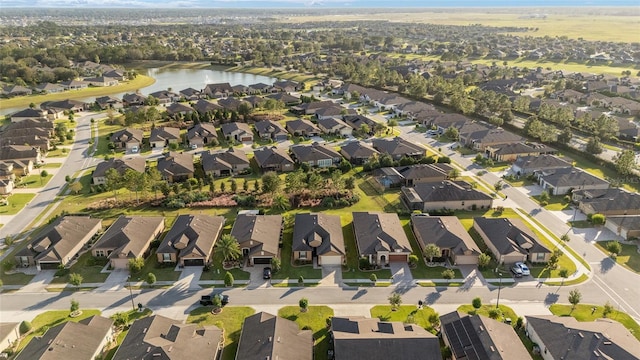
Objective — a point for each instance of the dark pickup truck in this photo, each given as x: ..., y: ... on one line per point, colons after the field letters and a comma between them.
x: 207, y: 300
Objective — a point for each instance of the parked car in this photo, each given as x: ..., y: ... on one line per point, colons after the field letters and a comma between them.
x: 266, y: 273
x: 207, y: 300
x: 517, y: 272
x: 523, y: 268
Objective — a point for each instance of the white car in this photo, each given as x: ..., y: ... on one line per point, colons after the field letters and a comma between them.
x: 523, y: 268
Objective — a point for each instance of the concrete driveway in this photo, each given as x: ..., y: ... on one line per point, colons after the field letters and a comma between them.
x: 39, y: 282
x: 116, y: 280
x: 331, y: 275
x: 255, y: 277
x: 189, y: 278
x: 400, y: 273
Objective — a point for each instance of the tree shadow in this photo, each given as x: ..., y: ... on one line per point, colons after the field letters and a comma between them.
x: 289, y: 292
x: 551, y: 298
x: 606, y: 264
x: 359, y: 294
x: 432, y: 297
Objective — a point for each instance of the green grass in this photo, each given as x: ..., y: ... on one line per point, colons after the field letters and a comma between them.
x: 34, y: 181
x: 162, y: 273
x: 629, y: 257
x: 555, y: 203
x: 15, y: 279
x: 601, y: 171
x: 287, y: 269
x: 314, y: 319
x: 408, y: 314
x: 58, y: 153
x: 49, y: 319
x: 16, y: 203
x: 580, y: 224
x: 507, y: 312
x: 584, y: 312
x: 582, y: 278
x: 52, y: 165
x: 216, y: 271
x: 353, y: 271
x: 90, y: 273
x: 230, y: 319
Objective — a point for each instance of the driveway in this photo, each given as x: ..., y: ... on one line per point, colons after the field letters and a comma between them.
x: 189, y: 278
x: 331, y: 275
x: 255, y: 277
x: 39, y: 282
x: 115, y: 281
x: 400, y: 273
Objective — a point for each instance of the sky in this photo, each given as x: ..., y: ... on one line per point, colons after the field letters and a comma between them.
x: 308, y: 3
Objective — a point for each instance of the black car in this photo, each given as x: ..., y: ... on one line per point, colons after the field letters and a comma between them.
x: 266, y: 273
x: 207, y: 300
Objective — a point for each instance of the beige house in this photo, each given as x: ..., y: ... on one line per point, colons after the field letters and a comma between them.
x: 380, y: 238
x: 128, y: 238
x: 258, y: 236
x: 447, y: 233
x: 190, y: 240
x: 510, y: 240
x: 450, y: 195
x: 318, y: 236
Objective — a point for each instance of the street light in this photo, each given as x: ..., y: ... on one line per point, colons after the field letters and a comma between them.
x: 133, y: 305
x: 499, y: 287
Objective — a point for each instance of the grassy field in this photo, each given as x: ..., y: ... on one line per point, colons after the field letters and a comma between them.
x: 408, y: 314
x: 230, y: 319
x: 139, y: 82
x: 629, y: 257
x: 314, y: 319
x: 584, y: 312
x: 87, y: 268
x: 16, y: 203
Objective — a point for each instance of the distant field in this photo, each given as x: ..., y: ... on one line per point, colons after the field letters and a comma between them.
x: 588, y: 24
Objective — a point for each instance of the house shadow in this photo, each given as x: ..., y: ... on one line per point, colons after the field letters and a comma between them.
x: 606, y: 264
x: 176, y: 293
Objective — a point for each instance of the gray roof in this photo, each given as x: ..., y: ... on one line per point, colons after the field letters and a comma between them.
x: 176, y: 164
x: 128, y: 134
x: 29, y: 112
x: 19, y: 152
x: 541, y: 162
x: 56, y: 242
x: 269, y: 127
x: 510, y: 236
x: 314, y: 152
x: 271, y: 156
x: 320, y: 231
x: 175, y: 108
x: 301, y: 125
x: 69, y: 340
x: 120, y: 165
x: 481, y: 338
x: 446, y: 190
x: 424, y: 171
x: 203, y: 106
x: 265, y: 336
x: 360, y: 338
x: 202, y: 130
x: 523, y: 148
x: 629, y: 222
x: 223, y: 160
x: 358, y: 150
x: 259, y: 233
x: 611, y: 199
x: 379, y: 232
x: 571, y: 176
x: 492, y: 135
x: 229, y: 128
x: 192, y: 236
x: 130, y: 235
x: 398, y: 146
x: 161, y: 338
x: 330, y: 123
x: 569, y: 339
x: 356, y: 121
x: 446, y: 232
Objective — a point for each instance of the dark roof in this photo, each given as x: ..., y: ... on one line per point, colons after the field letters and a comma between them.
x: 421, y: 171
x: 120, y: 165
x: 203, y: 106
x: 128, y: 134
x: 164, y: 133
x: 175, y: 108
x: 301, y: 125
x: 19, y: 152
x: 202, y: 130
x: 360, y: 338
x: 446, y: 232
x: 610, y: 200
x: 259, y: 233
x: 569, y: 339
x: 629, y: 222
x: 130, y: 235
x: 446, y: 190
x: 379, y: 232
x: 269, y: 127
x: 265, y: 336
x: 313, y: 152
x: 540, y: 162
x: 510, y: 236
x: 358, y: 150
x: 232, y: 103
x: 284, y: 97
x: 176, y: 164
x: 192, y: 236
x: 398, y: 146
x: 271, y: 156
x: 219, y: 87
x: 223, y: 160
x: 355, y: 121
x: 571, y: 176
x: 229, y: 128
x: 169, y: 339
x: 522, y: 148
x: 30, y: 113
x: 330, y: 123
x: 320, y: 231
x: 69, y: 340
x: 481, y: 338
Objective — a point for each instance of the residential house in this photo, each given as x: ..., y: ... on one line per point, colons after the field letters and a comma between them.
x: 512, y: 151
x: 302, y: 127
x: 128, y: 139
x: 358, y: 152
x: 480, y: 337
x: 190, y: 240
x: 398, y: 148
x: 49, y: 88
x: 121, y: 165
x: 528, y: 165
x: 273, y: 159
x: 133, y: 99
x: 9, y: 334
x: 311, y: 108
x: 29, y: 114
x: 356, y: 122
x: 318, y: 236
x: 286, y: 86
x: 260, y: 88
x: 564, y: 180
x: 510, y: 240
x: 16, y: 90
x: 202, y: 134
x: 444, y: 121
x: 176, y: 167
x: 18, y: 168
x: 448, y: 234
x: 334, y: 126
x: 41, y: 124
x: 447, y: 194
x: 268, y: 129
x: 225, y: 162
x: 203, y: 106
x: 6, y: 171
x: 23, y: 153
x: 101, y: 81
x: 627, y: 129
x: 85, y: 339
x: 63, y: 106
x: 361, y: 338
x: 316, y: 154
x: 6, y: 187
x: 164, y: 97
x: 59, y: 243
x: 391, y: 177
x: 333, y: 112
x: 179, y: 108
x: 237, y: 131
x: 74, y: 85
x: 626, y: 226
x: 159, y: 337
x: 108, y: 102
x: 483, y: 138
x: 231, y: 103
x: 569, y: 339
x: 163, y: 136
x: 255, y: 101
x: 266, y: 336
x: 287, y: 99
x: 380, y: 238
x: 220, y: 90
x: 607, y: 202
x: 190, y: 94
x: 115, y: 74
x: 32, y: 140
x: 129, y: 237
x: 258, y: 236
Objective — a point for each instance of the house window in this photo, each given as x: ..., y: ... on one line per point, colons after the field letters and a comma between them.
x: 303, y: 255
x: 540, y: 256
x: 100, y: 253
x: 166, y: 257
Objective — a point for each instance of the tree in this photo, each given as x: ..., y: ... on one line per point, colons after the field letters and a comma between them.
x: 75, y: 305
x: 498, y: 186
x: 564, y: 273
x: 228, y: 247
x: 431, y: 251
x: 43, y: 175
x: 594, y: 146
x: 565, y: 238
x: 228, y: 279
x: 598, y: 219
x: 373, y: 277
x: 448, y: 274
x: 300, y: 280
x: 270, y: 182
x: 565, y: 135
x: 625, y: 161
x: 135, y: 181
x: 25, y: 327
x: 484, y: 260
x: 614, y: 248
x: 120, y: 319
x: 607, y: 309
x: 76, y: 187
x: 574, y: 298
x: 135, y: 265
x: 395, y: 300
x: 554, y: 259
x: 434, y: 320
x: 495, y: 313
x: 295, y: 181
x: 276, y: 264
x: 413, y: 260
x: 304, y: 304
x: 281, y: 202
x: 452, y: 133
x: 476, y: 303
x: 9, y: 240
x: 392, y: 123
x: 151, y: 278
x: 75, y: 279
x: 113, y: 181
x: 544, y: 197
x: 454, y: 173
x: 154, y: 180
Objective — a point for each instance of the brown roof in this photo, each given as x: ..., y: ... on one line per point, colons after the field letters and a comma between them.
x: 176, y: 164
x: 265, y: 336
x: 192, y: 236
x: 446, y: 232
x: 379, y: 232
x: 259, y: 233
x: 130, y: 235
x: 320, y: 231
x: 120, y: 165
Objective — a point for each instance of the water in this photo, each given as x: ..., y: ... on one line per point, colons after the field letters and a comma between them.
x: 180, y: 79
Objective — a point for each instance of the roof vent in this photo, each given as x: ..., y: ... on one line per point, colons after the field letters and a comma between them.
x: 493, y: 349
x: 606, y: 342
x: 580, y: 334
x: 270, y: 338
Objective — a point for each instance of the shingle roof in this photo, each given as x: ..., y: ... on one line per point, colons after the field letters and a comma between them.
x: 192, y: 236
x: 128, y: 134
x: 510, y: 236
x: 446, y: 190
x: 229, y: 128
x: 271, y: 156
x: 269, y: 127
x: 379, y: 232
x: 421, y: 171
x: 611, y: 200
x: 176, y: 164
x: 223, y: 160
x: 259, y: 233
x: 320, y: 231
x: 571, y: 177
x: 301, y: 125
x: 629, y: 222
x: 446, y: 232
x: 202, y: 130
x: 397, y: 146
x: 120, y: 165
x: 541, y: 162
x: 265, y: 336
x: 522, y: 148
x: 313, y: 152
x: 358, y: 150
x: 130, y: 235
x: 164, y: 133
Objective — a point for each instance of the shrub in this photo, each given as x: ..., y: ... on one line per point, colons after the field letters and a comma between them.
x: 519, y: 322
x: 276, y: 264
x: 597, y: 219
x: 300, y: 280
x: 151, y: 278
x: 228, y: 279
x: 608, y: 309
x: 304, y: 304
x: 75, y: 305
x: 413, y: 260
x: 364, y: 263
x: 495, y: 313
x: 120, y: 319
x: 135, y: 265
x: 477, y: 303
x: 25, y: 327
x: 373, y: 277
x: 614, y: 247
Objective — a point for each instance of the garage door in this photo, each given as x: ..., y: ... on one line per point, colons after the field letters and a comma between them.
x: 193, y: 262
x: 397, y: 258
x: 263, y: 261
x: 331, y: 260
x: 49, y: 266
x: 466, y: 260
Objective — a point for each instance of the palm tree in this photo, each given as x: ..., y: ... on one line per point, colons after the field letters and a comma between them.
x: 281, y: 202
x: 228, y: 247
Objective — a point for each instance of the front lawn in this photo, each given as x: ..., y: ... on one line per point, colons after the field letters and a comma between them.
x: 88, y: 267
x: 353, y: 271
x: 629, y: 257
x: 314, y: 319
x: 287, y: 269
x: 15, y: 279
x: 216, y: 272
x: 162, y: 272
x: 408, y: 314
x: 584, y: 312
x: 555, y: 203
x: 34, y: 181
x: 230, y: 319
x: 15, y: 203
x: 507, y: 312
